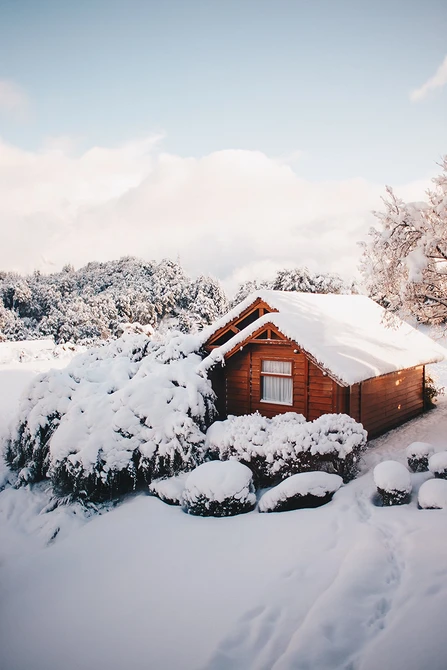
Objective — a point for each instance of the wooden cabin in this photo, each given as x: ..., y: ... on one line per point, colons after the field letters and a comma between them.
x: 281, y: 351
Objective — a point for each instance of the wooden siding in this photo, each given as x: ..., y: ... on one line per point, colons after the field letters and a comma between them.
x: 280, y: 351
x: 390, y: 400
x: 314, y: 393
x: 322, y: 393
x: 379, y: 404
x: 354, y: 402
x: 237, y: 387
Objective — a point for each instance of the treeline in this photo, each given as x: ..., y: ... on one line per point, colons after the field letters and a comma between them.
x: 96, y: 301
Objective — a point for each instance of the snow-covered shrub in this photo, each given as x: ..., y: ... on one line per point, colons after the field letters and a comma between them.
x: 307, y: 489
x: 286, y: 444
x: 169, y: 490
x: 437, y: 464
x: 418, y: 454
x: 433, y: 494
x: 133, y: 410
x: 339, y: 442
x: 393, y: 483
x: 219, y: 488
x: 241, y: 438
x: 431, y: 391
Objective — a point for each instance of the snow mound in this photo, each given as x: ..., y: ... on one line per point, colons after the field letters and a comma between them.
x: 433, y: 494
x: 392, y: 476
x: 219, y: 488
x: 419, y: 449
x: 437, y: 464
x: 306, y: 489
x: 169, y: 490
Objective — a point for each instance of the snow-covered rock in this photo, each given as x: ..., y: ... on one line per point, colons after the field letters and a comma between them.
x: 418, y: 454
x: 433, y: 494
x: 393, y: 482
x: 437, y: 464
x: 219, y: 488
x: 306, y: 489
x: 170, y: 489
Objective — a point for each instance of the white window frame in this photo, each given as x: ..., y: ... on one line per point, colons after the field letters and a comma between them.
x: 277, y: 375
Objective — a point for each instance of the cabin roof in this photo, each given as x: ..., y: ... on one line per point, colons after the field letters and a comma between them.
x: 350, y: 336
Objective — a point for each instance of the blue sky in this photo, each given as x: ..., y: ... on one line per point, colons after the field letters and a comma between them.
x: 325, y: 78
x: 278, y: 122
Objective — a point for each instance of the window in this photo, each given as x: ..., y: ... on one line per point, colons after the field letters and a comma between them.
x: 276, y: 382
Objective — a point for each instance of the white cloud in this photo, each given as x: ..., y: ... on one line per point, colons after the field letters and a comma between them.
x: 438, y: 80
x: 13, y: 99
x: 234, y: 214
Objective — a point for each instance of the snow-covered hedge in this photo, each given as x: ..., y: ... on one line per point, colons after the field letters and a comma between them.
x: 307, y: 489
x: 433, y: 494
x: 437, y: 464
x: 131, y: 410
x: 393, y: 483
x: 418, y: 454
x: 285, y: 445
x: 219, y: 489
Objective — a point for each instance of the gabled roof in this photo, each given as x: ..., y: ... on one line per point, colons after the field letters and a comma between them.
x: 350, y: 336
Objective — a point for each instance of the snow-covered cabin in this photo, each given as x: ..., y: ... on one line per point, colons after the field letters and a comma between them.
x: 282, y: 351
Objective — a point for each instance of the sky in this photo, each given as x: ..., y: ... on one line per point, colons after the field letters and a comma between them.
x: 239, y: 136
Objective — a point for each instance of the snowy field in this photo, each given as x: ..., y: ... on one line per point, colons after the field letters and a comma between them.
x: 348, y: 586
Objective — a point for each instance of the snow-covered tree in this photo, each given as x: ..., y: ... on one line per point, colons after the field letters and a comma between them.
x: 95, y: 301
x: 404, y: 264
x: 294, y: 279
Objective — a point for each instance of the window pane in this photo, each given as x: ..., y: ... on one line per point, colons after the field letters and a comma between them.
x: 278, y: 367
x: 277, y: 389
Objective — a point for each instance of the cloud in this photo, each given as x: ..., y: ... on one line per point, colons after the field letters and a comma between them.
x: 438, y: 80
x: 232, y: 214
x: 13, y: 99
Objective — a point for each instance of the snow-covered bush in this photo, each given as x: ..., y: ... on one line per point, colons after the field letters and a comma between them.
x: 393, y: 483
x: 286, y: 444
x: 418, y: 454
x: 219, y: 488
x: 169, y: 490
x: 433, y: 494
x: 307, y: 489
x: 134, y: 410
x: 339, y: 442
x: 437, y: 464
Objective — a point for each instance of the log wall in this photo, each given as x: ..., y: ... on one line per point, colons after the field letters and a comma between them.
x: 282, y: 352
x: 390, y: 400
x: 314, y: 393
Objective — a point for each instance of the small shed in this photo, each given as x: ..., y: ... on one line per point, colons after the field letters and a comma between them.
x: 282, y: 351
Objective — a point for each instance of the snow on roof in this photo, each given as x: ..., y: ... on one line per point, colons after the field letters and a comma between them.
x: 350, y: 336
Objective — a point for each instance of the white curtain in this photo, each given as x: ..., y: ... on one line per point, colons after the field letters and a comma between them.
x: 277, y: 389
x: 277, y: 367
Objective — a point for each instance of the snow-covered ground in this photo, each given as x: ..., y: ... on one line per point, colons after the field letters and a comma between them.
x: 348, y: 586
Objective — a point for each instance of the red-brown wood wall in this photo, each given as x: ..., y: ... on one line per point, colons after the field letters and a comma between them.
x: 380, y: 403
x: 390, y: 400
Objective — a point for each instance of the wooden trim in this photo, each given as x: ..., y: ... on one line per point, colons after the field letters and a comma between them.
x: 424, y: 402
x: 232, y: 325
x: 306, y: 386
x: 251, y: 339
